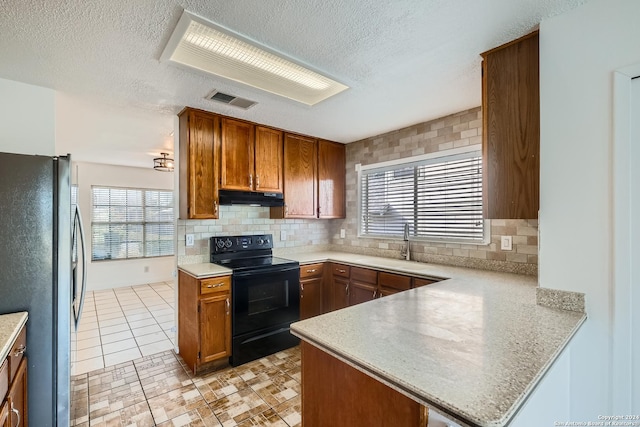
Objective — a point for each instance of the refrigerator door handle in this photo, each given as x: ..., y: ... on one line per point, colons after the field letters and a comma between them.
x: 78, y: 223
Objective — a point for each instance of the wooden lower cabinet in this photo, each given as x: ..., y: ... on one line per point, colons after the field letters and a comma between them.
x: 391, y: 283
x: 4, y: 414
x: 364, y: 285
x: 17, y: 397
x: 204, y: 320
x: 311, y: 290
x: 338, y: 292
x: 336, y: 394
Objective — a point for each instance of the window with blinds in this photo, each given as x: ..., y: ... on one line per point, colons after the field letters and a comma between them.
x: 439, y: 198
x: 131, y: 223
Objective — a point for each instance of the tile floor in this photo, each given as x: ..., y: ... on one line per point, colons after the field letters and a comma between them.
x: 158, y: 390
x: 124, y: 324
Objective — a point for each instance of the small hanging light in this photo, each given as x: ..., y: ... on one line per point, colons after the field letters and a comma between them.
x: 164, y: 163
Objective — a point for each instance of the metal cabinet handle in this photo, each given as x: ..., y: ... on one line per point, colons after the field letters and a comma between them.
x: 312, y: 270
x: 257, y: 181
x: 346, y: 289
x: 216, y: 285
x: 341, y: 271
x: 215, y: 207
x: 286, y: 210
x: 15, y: 411
x: 374, y: 294
x: 20, y: 350
x: 227, y: 303
x: 301, y: 290
x: 250, y: 181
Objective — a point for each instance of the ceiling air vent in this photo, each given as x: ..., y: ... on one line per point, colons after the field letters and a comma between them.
x: 231, y: 100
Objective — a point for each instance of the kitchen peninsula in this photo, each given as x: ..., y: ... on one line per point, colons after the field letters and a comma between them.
x: 472, y: 347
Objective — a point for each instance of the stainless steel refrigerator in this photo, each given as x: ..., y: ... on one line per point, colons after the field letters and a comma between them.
x: 37, y: 274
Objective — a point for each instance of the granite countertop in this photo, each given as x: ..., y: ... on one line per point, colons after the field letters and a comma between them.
x: 205, y: 269
x: 10, y: 325
x: 472, y: 347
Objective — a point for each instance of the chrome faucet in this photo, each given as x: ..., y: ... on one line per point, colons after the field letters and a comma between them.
x: 406, y: 251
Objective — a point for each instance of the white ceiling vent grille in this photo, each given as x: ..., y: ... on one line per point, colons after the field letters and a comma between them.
x: 203, y: 45
x: 231, y: 100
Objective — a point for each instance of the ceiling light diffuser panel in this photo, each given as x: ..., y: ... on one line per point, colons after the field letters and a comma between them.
x: 205, y: 46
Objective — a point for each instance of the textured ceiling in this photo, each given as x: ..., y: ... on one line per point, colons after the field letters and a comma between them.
x: 405, y: 61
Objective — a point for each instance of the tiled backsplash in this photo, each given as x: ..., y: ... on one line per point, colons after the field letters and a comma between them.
x: 302, y: 234
x: 458, y: 130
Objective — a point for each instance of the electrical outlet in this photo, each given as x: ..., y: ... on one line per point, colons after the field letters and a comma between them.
x: 146, y: 268
x: 189, y: 240
x: 343, y: 233
x: 283, y: 235
x: 506, y: 243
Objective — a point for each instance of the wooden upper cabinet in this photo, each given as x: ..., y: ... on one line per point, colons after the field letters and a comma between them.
x: 331, y: 180
x: 199, y: 155
x: 511, y: 130
x: 237, y: 155
x: 300, y: 177
x: 268, y: 160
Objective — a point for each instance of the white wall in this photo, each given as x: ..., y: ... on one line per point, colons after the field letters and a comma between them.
x: 27, y: 119
x: 112, y: 274
x: 579, y: 52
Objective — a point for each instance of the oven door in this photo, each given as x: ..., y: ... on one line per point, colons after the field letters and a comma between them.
x: 265, y: 298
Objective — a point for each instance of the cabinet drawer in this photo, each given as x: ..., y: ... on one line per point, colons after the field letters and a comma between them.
x: 394, y: 281
x: 215, y: 284
x: 364, y: 275
x: 311, y: 270
x: 340, y: 270
x: 419, y: 281
x: 16, y: 353
x: 4, y: 381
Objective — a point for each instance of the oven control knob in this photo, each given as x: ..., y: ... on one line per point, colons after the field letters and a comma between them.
x: 220, y: 243
x: 228, y: 243
x: 260, y: 241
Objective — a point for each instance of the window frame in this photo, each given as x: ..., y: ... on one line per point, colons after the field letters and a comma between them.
x: 409, y: 162
x: 143, y: 223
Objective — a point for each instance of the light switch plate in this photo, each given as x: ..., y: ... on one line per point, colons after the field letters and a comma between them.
x: 189, y: 240
x: 283, y: 235
x: 506, y: 243
x: 343, y: 233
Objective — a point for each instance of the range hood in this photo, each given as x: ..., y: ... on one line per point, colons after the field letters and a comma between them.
x: 230, y: 197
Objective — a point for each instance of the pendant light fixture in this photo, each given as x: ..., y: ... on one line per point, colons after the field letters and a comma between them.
x: 164, y: 163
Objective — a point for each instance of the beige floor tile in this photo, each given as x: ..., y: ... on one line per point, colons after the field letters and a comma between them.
x: 89, y: 353
x: 151, y: 338
x: 156, y: 347
x: 266, y: 418
x: 217, y: 385
x: 291, y: 412
x: 121, y: 356
x: 176, y: 403
x: 85, y: 335
x: 275, y: 388
x: 238, y: 407
x: 118, y: 336
x: 137, y: 415
x: 87, y: 366
x: 113, y: 322
x: 141, y: 323
x: 106, y: 330
x: 139, y: 316
x: 119, y: 346
x: 90, y: 342
x: 146, y: 330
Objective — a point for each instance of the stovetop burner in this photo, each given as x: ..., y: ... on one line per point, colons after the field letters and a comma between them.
x: 254, y: 262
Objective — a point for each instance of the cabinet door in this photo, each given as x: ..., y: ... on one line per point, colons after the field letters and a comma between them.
x: 237, y: 155
x: 361, y: 292
x: 215, y: 327
x: 310, y: 297
x: 331, y: 180
x: 199, y: 145
x: 17, y: 397
x: 511, y: 130
x: 268, y: 160
x: 300, y: 177
x: 339, y: 292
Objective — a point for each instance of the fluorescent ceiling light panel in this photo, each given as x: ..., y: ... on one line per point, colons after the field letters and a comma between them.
x: 205, y: 46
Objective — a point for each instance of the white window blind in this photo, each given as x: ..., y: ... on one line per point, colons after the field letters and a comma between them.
x: 440, y: 198
x: 131, y: 223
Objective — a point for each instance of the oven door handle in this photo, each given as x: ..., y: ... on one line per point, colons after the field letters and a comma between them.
x: 265, y: 270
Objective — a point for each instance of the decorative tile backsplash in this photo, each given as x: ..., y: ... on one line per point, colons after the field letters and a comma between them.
x: 457, y: 130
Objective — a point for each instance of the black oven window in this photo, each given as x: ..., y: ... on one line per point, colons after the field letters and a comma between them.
x: 266, y: 297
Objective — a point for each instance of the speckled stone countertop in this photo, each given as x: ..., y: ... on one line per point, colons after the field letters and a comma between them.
x: 10, y: 325
x: 206, y: 269
x: 472, y: 347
